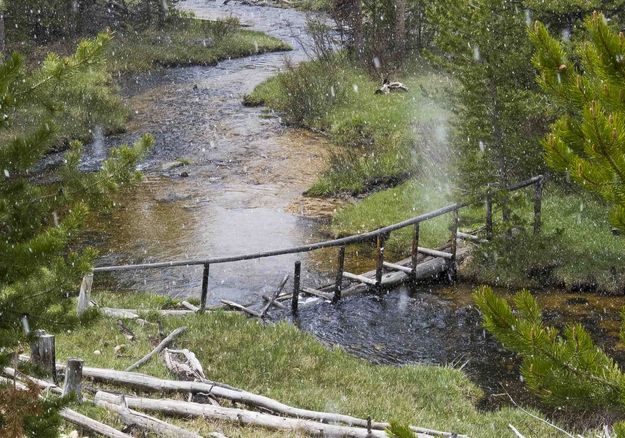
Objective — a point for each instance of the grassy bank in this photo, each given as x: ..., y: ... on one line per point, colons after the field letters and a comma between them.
x: 282, y: 362
x: 380, y: 140
x: 576, y: 249
x: 185, y: 41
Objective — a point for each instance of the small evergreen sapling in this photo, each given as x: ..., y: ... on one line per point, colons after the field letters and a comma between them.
x: 39, y: 223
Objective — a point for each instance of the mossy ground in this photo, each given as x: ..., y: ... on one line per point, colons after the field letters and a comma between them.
x: 280, y: 361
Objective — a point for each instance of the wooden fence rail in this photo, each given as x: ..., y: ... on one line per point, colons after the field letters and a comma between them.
x: 378, y: 237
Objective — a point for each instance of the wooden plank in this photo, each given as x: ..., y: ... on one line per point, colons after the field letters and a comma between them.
x: 241, y: 307
x: 277, y: 303
x: 470, y: 237
x: 315, y: 292
x: 396, y: 267
x: 435, y: 253
x: 359, y: 278
x: 274, y: 296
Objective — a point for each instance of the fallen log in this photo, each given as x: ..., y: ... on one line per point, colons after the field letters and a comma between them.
x: 164, y: 343
x: 91, y: 424
x: 11, y: 372
x: 221, y: 390
x: 241, y: 416
x: 143, y: 421
x: 134, y: 313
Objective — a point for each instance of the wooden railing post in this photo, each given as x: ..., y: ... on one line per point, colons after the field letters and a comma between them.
x: 43, y: 352
x: 489, y: 215
x: 296, y: 280
x: 379, y: 260
x: 73, y: 378
x: 415, y: 250
x: 538, y: 196
x: 338, y: 284
x: 204, y: 288
x: 453, y: 267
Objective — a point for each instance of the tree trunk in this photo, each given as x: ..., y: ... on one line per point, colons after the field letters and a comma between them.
x: 400, y: 28
x: 357, y: 31
x: 3, y: 43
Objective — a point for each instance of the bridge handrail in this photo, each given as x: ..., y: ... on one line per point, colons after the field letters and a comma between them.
x: 358, y: 238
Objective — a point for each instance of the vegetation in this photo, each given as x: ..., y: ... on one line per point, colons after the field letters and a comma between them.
x: 379, y: 138
x: 38, y: 224
x: 280, y: 361
x: 587, y: 141
x: 565, y: 368
x: 184, y: 41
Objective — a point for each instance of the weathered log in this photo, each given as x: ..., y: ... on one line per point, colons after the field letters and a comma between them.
x: 221, y: 390
x: 11, y: 372
x: 143, y: 421
x: 134, y: 313
x: 164, y: 343
x: 360, y: 278
x: 73, y: 378
x: 241, y: 416
x: 92, y: 425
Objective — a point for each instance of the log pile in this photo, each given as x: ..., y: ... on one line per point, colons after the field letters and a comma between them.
x: 251, y: 409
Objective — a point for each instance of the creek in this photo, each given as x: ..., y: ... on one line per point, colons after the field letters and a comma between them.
x: 246, y: 173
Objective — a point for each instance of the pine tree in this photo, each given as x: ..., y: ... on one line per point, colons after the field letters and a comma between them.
x: 39, y: 269
x: 39, y: 223
x: 484, y: 45
x: 565, y: 370
x: 587, y: 142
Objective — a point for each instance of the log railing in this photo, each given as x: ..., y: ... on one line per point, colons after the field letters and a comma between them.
x: 378, y: 237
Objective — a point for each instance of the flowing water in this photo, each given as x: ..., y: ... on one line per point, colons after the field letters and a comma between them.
x: 245, y: 171
x: 242, y: 195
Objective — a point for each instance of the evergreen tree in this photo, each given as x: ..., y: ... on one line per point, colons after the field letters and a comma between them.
x: 587, y: 142
x: 39, y: 223
x: 565, y: 370
x: 484, y: 45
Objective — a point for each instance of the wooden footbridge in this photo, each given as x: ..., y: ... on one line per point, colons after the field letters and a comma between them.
x: 423, y: 262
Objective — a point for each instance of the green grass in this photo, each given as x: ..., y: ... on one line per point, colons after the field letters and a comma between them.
x: 378, y: 139
x: 576, y: 248
x: 282, y: 362
x: 395, y: 205
x: 187, y: 41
